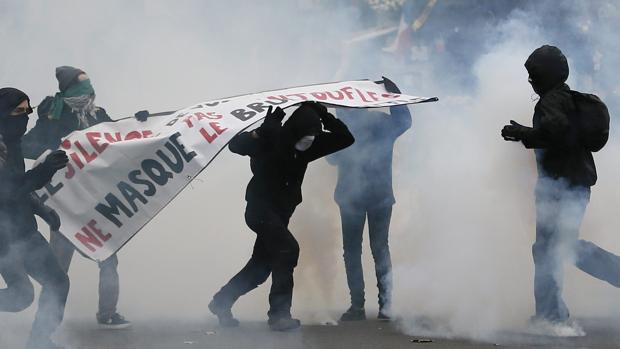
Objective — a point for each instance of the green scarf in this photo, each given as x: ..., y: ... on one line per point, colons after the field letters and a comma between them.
x: 79, y: 88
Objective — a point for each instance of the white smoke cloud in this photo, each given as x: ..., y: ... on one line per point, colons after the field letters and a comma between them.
x: 463, y: 223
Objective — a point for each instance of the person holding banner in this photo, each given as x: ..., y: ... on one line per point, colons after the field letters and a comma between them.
x: 24, y: 251
x: 364, y: 188
x: 71, y: 109
x: 279, y: 156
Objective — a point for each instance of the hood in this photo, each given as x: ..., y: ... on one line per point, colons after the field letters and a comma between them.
x: 66, y: 76
x: 12, y: 128
x: 10, y: 98
x: 303, y: 122
x: 547, y: 67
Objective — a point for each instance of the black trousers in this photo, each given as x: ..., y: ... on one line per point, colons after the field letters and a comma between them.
x: 33, y: 257
x: 353, y: 221
x: 275, y: 252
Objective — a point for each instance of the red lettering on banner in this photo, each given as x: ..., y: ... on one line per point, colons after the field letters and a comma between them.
x: 389, y: 95
x: 188, y: 121
x: 372, y: 95
x: 280, y: 99
x: 91, y: 236
x: 133, y: 135
x: 217, y: 130
x: 86, y: 155
x: 338, y: 97
x: 93, y: 138
x: 117, y: 137
x: 209, y: 115
x: 362, y: 95
x: 93, y: 226
x: 70, y: 171
x: 347, y: 91
x: 80, y: 155
x: 321, y: 96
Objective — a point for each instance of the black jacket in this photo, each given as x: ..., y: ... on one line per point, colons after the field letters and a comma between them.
x: 365, y: 168
x: 48, y: 133
x: 555, y: 136
x: 16, y: 205
x: 278, y: 169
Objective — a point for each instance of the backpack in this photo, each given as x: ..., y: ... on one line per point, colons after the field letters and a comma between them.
x: 593, y: 120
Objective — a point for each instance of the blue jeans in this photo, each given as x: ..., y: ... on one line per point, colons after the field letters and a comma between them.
x: 109, y: 283
x: 559, y: 212
x: 353, y: 221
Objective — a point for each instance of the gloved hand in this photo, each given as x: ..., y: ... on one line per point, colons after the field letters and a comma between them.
x: 271, y: 123
x: 56, y: 160
x: 514, y: 132
x: 328, y: 120
x: 390, y: 86
x: 319, y: 108
x: 142, y: 115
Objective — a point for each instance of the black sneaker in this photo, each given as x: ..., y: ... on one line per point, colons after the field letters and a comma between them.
x: 114, y: 322
x: 354, y: 314
x: 283, y: 324
x: 224, y: 315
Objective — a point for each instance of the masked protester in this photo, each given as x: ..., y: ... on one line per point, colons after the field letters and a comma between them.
x: 23, y: 250
x: 364, y: 189
x: 73, y: 108
x: 566, y: 171
x: 279, y: 155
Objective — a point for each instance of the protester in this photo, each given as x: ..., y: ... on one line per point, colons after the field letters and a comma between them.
x: 73, y: 108
x: 279, y: 156
x: 23, y: 250
x: 364, y: 189
x: 567, y: 127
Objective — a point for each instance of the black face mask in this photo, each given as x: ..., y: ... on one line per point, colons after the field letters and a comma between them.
x: 13, y: 127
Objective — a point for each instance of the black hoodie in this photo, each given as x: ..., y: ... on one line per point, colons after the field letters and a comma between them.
x: 555, y: 132
x: 16, y: 210
x: 279, y: 168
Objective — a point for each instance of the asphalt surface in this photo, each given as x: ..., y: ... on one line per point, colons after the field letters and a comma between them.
x: 255, y: 335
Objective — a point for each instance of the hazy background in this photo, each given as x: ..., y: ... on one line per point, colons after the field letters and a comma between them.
x: 463, y: 223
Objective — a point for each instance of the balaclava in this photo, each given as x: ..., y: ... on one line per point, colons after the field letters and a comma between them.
x: 12, y: 127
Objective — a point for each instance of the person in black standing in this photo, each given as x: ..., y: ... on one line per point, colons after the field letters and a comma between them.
x: 364, y: 189
x: 23, y: 250
x: 73, y: 108
x: 279, y: 156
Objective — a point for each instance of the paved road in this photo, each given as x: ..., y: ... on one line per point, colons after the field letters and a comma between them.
x: 254, y: 335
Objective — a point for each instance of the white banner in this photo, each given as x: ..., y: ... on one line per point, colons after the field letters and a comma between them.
x: 121, y: 174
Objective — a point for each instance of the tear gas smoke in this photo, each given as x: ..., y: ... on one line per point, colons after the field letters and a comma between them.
x: 463, y: 223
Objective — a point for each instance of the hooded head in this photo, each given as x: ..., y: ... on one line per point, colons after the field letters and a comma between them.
x: 547, y: 67
x: 14, y: 110
x: 304, y: 122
